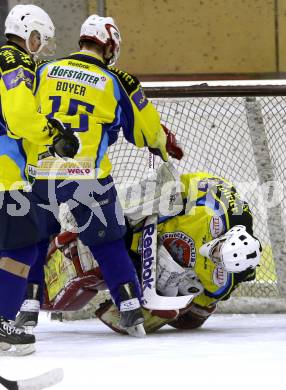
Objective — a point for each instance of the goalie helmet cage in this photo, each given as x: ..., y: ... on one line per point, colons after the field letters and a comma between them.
x: 237, y: 132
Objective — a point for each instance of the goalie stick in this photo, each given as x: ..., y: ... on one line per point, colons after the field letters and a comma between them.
x: 151, y: 300
x: 43, y: 381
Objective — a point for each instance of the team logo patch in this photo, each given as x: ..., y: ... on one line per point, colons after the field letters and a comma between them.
x: 205, y: 184
x: 14, y: 78
x: 140, y: 99
x: 219, y: 276
x: 181, y: 247
x: 216, y: 226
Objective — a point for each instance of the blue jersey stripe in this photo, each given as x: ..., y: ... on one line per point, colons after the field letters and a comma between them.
x: 39, y: 72
x: 3, y: 127
x: 126, y: 118
x: 221, y: 291
x: 13, y: 148
x: 213, y: 204
x: 102, y: 148
x: 109, y: 128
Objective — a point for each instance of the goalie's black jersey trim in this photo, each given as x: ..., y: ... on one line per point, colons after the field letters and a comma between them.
x: 244, y: 276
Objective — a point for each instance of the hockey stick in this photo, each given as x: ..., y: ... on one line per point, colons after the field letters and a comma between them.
x: 151, y: 300
x: 39, y: 382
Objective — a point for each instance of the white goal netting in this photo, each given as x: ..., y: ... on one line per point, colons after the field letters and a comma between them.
x: 239, y: 133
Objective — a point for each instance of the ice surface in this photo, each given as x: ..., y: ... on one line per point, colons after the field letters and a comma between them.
x: 230, y: 351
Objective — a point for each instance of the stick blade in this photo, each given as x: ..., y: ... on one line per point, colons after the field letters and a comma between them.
x: 43, y: 381
x: 10, y: 385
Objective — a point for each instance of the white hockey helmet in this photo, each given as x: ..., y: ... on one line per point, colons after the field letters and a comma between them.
x: 104, y: 32
x: 238, y: 250
x: 23, y: 19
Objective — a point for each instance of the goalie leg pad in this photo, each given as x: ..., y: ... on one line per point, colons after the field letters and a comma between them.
x: 194, y: 318
x: 72, y: 275
x: 108, y: 313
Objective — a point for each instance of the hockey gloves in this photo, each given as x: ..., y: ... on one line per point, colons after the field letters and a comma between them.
x: 173, y: 149
x: 65, y: 143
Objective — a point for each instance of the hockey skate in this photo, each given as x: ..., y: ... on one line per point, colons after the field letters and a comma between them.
x: 15, y: 341
x: 29, y: 312
x: 27, y: 320
x: 131, y: 316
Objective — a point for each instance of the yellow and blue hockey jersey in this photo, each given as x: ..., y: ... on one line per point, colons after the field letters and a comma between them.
x: 96, y: 101
x: 21, y: 125
x: 212, y: 206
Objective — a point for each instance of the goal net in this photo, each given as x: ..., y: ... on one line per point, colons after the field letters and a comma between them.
x: 237, y: 132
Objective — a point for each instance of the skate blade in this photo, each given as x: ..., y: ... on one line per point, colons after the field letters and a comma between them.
x: 16, y: 350
x: 136, y: 331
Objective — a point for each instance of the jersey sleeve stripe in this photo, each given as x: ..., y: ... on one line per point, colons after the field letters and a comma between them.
x: 39, y: 73
x: 13, y: 149
x: 101, y: 149
x: 224, y: 290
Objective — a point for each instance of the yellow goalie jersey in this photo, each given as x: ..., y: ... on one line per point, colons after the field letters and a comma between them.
x: 212, y: 206
x: 97, y: 101
x: 21, y: 125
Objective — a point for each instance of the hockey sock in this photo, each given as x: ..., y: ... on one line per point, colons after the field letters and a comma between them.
x: 116, y: 267
x: 36, y: 274
x: 12, y: 286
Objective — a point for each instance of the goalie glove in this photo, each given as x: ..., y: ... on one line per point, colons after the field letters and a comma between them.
x: 172, y: 279
x: 65, y: 143
x: 190, y: 283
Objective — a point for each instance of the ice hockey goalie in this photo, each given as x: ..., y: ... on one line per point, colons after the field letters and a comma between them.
x: 202, y: 250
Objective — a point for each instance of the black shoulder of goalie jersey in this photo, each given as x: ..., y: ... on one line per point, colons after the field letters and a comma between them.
x: 244, y: 276
x: 129, y: 82
x: 12, y: 56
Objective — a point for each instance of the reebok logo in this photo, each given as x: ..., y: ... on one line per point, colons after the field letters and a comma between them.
x: 147, y: 254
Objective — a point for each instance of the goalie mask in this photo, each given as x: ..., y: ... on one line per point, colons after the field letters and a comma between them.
x: 236, y: 250
x: 105, y: 33
x: 22, y: 20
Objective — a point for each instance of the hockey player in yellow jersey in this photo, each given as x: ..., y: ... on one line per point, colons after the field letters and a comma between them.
x: 96, y: 101
x: 206, y: 250
x: 29, y: 31
x: 21, y: 125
